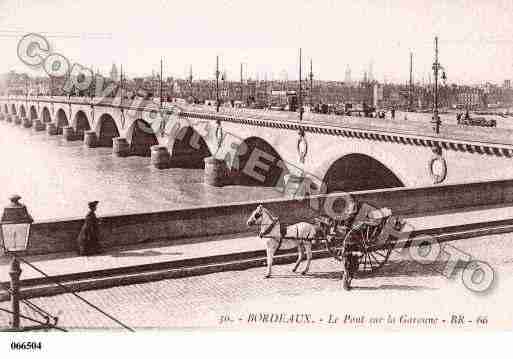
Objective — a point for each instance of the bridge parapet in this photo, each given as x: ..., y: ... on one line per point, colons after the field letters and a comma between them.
x: 207, y: 221
x: 486, y: 146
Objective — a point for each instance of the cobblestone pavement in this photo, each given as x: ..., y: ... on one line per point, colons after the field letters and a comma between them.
x: 201, y: 301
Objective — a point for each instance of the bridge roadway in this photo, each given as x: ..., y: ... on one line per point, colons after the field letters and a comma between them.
x: 404, y: 287
x: 420, y: 127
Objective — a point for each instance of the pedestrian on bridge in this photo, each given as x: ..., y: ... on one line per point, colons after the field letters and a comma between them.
x: 89, y: 237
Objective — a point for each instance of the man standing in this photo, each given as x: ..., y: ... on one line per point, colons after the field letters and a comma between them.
x: 89, y: 236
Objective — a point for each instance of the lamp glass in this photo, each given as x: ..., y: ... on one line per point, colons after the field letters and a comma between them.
x: 15, y: 236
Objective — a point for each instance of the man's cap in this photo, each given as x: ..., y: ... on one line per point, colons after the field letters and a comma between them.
x: 93, y: 203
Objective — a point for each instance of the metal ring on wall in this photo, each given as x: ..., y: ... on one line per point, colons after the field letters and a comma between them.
x: 219, y: 135
x: 438, y: 168
x: 302, y: 147
x: 92, y: 115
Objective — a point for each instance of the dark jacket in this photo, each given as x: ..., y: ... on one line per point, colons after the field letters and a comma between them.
x: 89, y: 237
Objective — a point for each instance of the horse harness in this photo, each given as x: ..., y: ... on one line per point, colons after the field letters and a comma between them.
x: 283, y: 230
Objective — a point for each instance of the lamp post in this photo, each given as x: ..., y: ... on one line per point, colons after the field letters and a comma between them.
x: 15, y: 232
x: 217, y: 84
x: 436, y: 68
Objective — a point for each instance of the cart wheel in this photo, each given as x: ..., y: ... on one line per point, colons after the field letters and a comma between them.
x: 335, y: 247
x: 346, y: 280
x: 371, y: 257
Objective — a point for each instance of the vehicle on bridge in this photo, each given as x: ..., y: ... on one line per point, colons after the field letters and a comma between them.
x: 475, y: 121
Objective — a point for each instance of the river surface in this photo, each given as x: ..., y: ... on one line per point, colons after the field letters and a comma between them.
x: 57, y: 179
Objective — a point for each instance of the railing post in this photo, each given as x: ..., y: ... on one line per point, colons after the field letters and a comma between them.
x: 15, y: 273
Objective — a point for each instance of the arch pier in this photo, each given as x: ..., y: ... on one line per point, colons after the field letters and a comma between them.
x: 51, y: 129
x: 26, y: 121
x: 36, y: 122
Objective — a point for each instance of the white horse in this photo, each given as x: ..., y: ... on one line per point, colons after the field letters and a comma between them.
x: 297, y: 235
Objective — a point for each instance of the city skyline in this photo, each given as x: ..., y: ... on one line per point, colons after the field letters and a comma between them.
x: 473, y: 49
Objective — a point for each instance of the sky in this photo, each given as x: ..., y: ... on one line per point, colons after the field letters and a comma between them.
x: 476, y: 37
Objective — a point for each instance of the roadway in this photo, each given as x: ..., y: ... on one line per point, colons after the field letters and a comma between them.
x: 418, y: 124
x: 402, y: 287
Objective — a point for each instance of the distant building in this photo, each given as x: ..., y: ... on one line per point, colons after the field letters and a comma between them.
x: 114, y: 75
x: 347, y: 78
x: 371, y: 71
x: 507, y: 84
x: 470, y: 98
x: 377, y: 96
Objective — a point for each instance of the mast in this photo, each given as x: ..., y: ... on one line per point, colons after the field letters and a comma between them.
x: 311, y: 84
x: 160, y: 91
x: 436, y: 66
x: 411, y: 81
x: 300, y: 90
x: 217, y: 83
x: 241, y: 85
x: 121, y: 84
x: 190, y: 80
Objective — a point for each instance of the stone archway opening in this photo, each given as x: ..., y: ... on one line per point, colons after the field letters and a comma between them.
x: 13, y: 110
x: 33, y: 113
x: 359, y: 172
x: 46, y: 115
x: 62, y: 120
x: 257, y: 163
x: 189, y: 149
x: 140, y: 138
x: 23, y: 112
x: 6, y: 109
x: 106, y: 130
x: 80, y: 124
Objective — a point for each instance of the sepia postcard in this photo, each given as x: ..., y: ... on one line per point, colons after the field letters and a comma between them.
x: 269, y: 166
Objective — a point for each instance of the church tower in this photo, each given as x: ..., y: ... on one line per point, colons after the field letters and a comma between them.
x: 114, y: 75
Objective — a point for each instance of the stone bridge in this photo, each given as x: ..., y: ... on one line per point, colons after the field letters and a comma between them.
x: 260, y: 147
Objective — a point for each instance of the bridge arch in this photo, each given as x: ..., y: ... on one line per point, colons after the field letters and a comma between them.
x: 80, y: 124
x: 6, y: 109
x: 23, y: 112
x: 33, y: 113
x: 45, y: 115
x: 140, y: 137
x: 253, y: 173
x: 188, y: 148
x: 62, y: 120
x: 13, y: 109
x: 359, y: 172
x: 106, y: 130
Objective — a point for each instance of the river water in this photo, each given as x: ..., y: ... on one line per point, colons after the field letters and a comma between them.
x: 57, y: 179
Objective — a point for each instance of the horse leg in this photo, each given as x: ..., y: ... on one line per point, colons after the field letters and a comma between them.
x: 299, y: 256
x: 308, y: 248
x: 270, y: 253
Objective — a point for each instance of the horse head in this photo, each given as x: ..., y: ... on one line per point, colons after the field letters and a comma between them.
x: 256, y: 216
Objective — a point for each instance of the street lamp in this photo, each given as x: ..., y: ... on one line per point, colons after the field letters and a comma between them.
x: 14, y: 233
x: 436, y: 68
